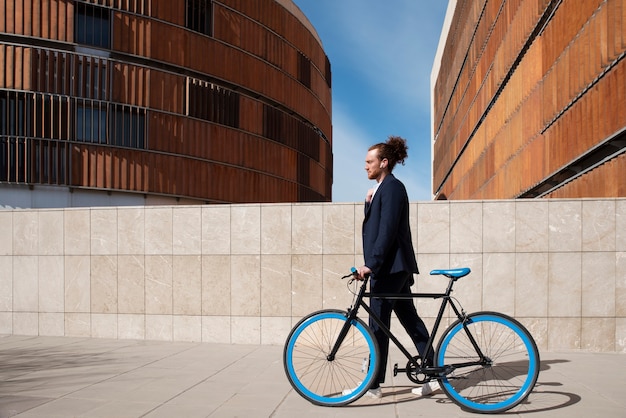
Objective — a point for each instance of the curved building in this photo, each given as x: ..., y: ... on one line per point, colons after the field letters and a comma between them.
x: 529, y: 100
x: 162, y: 101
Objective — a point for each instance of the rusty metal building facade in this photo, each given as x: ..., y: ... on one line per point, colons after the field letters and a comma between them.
x: 529, y: 100
x: 199, y: 101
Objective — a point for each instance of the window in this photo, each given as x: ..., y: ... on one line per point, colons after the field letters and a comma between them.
x: 16, y: 109
x: 304, y: 70
x: 92, y: 25
x: 200, y: 16
x: 213, y: 103
x: 113, y: 124
x: 49, y: 162
x: 91, y: 78
x: 91, y: 120
x: 127, y: 126
x: 52, y: 116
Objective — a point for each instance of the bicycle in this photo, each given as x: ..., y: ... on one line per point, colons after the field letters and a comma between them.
x: 485, y: 362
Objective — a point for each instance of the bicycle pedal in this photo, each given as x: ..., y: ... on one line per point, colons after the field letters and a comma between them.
x: 395, y: 370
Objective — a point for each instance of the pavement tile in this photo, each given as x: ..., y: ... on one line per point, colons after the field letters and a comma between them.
x: 92, y: 378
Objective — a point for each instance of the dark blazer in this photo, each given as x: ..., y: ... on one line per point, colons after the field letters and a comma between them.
x: 387, y: 245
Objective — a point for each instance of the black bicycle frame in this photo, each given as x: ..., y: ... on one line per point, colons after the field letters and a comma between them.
x: 426, y: 369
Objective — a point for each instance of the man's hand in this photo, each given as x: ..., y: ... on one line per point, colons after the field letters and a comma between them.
x: 362, y: 272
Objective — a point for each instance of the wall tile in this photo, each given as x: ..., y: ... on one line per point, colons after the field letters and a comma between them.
x: 620, y: 334
x: 25, y: 323
x: 565, y: 225
x: 598, y: 225
x: 425, y: 283
x: 51, y: 324
x: 158, y: 285
x: 274, y: 330
x: 25, y: 233
x: 335, y: 294
x: 6, y: 283
x: 620, y: 225
x: 538, y: 328
x: 52, y: 287
x: 620, y: 284
x: 564, y: 285
x: 245, y: 330
x: 158, y: 230
x: 466, y: 228
x: 531, y: 226
x: 50, y: 232
x: 307, y: 221
x: 276, y: 229
x: 359, y: 216
x: 499, y: 282
x: 433, y: 230
x: 564, y: 334
x: 338, y: 229
x: 6, y: 230
x: 216, y: 329
x: 245, y: 296
x: 498, y: 226
x: 245, y: 231
x: 306, y: 284
x: 104, y: 231
x: 104, y: 284
x: 77, y: 324
x: 569, y: 286
x: 131, y: 326
x: 216, y: 278
x: 531, y: 285
x: 25, y: 283
x: 598, y: 284
x: 131, y: 231
x: 159, y: 327
x: 187, y: 230
x: 131, y: 287
x: 77, y: 231
x: 598, y: 334
x: 187, y: 328
x: 6, y: 323
x: 413, y: 208
x: 275, y: 285
x: 77, y: 283
x: 470, y: 289
x: 187, y: 286
x: 216, y: 229
x: 103, y: 325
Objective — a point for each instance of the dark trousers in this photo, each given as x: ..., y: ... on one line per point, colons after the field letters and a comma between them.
x: 405, y: 312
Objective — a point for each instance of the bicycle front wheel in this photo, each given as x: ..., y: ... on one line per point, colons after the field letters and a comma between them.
x: 330, y: 381
x: 504, y: 379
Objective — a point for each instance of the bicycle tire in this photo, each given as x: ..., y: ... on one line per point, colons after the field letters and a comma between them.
x: 330, y: 382
x: 510, y: 377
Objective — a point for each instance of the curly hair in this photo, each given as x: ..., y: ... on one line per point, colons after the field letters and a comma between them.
x: 394, y: 150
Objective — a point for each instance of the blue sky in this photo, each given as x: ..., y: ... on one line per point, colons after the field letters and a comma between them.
x: 381, y: 56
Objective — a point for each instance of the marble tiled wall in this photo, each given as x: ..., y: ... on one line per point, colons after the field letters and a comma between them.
x: 247, y: 273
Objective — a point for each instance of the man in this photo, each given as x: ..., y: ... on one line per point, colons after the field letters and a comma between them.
x: 389, y: 255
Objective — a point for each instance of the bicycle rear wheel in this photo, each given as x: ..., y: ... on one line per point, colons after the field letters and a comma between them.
x: 512, y: 365
x: 324, y: 381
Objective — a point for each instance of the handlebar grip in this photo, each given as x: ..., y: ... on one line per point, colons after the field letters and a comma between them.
x: 353, y: 270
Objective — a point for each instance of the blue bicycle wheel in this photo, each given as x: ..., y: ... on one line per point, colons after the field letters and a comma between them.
x: 330, y: 382
x: 507, y: 376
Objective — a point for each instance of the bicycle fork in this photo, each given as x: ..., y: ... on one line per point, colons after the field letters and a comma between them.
x: 352, y: 314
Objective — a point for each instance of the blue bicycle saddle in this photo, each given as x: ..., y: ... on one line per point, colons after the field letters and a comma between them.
x: 456, y: 273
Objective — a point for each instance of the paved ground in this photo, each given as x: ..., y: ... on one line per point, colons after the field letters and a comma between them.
x: 79, y: 377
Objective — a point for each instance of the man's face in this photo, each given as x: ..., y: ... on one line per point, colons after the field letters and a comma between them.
x: 373, y: 165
